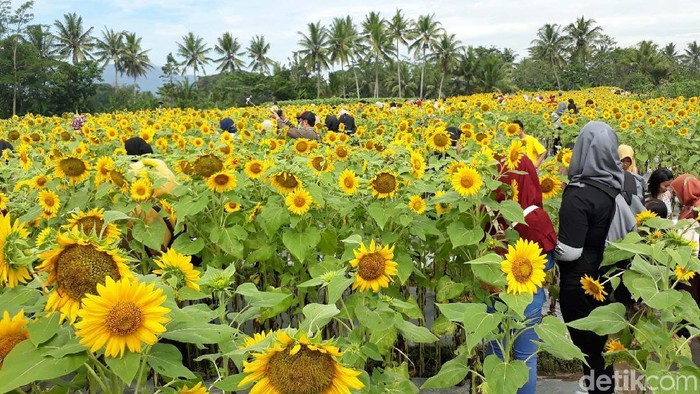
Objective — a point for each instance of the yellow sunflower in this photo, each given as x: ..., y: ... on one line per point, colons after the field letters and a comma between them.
x: 48, y: 201
x: 417, y: 204
x: 299, y: 201
x: 303, y: 146
x: 75, y: 267
x: 644, y: 215
x: 384, y: 184
x: 683, y: 273
x: 14, y: 264
x: 439, y: 140
x: 93, y: 223
x: 441, y: 207
x: 285, y: 182
x: 515, y: 153
x: 512, y: 130
x: 73, y: 168
x: 254, y: 169
x: 3, y: 201
x: 321, y: 163
x: 524, y: 267
x: 257, y: 338
x: 197, y: 388
x: 207, y: 165
x: 375, y: 268
x: 564, y: 157
x: 417, y: 165
x: 550, y: 186
x: 341, y: 152
x: 467, y: 181
x: 141, y: 190
x: 40, y: 181
x: 348, y: 182
x: 175, y: 265
x: 222, y: 181
x: 12, y: 331
x: 123, y: 314
x: 232, y: 207
x: 593, y: 288
x: 299, y: 366
x: 614, y: 345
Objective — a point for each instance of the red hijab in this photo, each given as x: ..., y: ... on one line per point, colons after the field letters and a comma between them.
x: 687, y: 188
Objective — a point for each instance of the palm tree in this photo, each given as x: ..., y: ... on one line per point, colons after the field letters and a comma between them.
x: 342, y: 43
x: 549, y: 46
x: 583, y: 34
x: 670, y: 52
x: 42, y: 39
x: 194, y: 51
x: 445, y: 55
x: 379, y: 43
x: 134, y: 61
x: 313, y: 52
x: 257, y: 51
x: 230, y: 50
x: 111, y: 48
x: 406, y: 85
x: 468, y: 68
x: 492, y: 73
x: 73, y: 41
x: 427, y: 31
x: 399, y: 30
x: 691, y: 57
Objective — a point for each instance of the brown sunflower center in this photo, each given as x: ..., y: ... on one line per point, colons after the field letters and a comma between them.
x: 79, y: 268
x: 65, y: 136
x: 13, y: 135
x: 547, y: 185
x: 221, y: 179
x: 35, y: 137
x: 319, y: 163
x: 349, y: 182
x: 89, y: 224
x: 514, y: 155
x: 341, y: 152
x: 371, y: 266
x: 117, y: 178
x: 49, y: 201
x: 299, y: 201
x: 522, y: 269
x: 385, y: 183
x: 8, y: 342
x: 124, y: 319
x: 441, y: 140
x: 256, y: 168
x: 206, y: 166
x: 72, y: 166
x: 41, y: 181
x: 302, y: 146
x: 466, y: 181
x: 287, y: 180
x: 306, y: 372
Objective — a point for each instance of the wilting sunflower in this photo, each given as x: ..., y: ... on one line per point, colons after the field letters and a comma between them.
x: 48, y: 201
x: 141, y: 190
x: 375, y: 268
x: 12, y: 332
x: 285, y: 182
x: 644, y: 215
x: 222, y: 181
x: 254, y: 169
x: 123, y: 314
x: 73, y: 168
x: 197, y: 388
x: 76, y: 267
x: 515, y: 153
x: 550, y: 186
x: 348, y: 182
x: 439, y: 140
x: 207, y: 165
x: 297, y: 367
x: 467, y: 181
x: 175, y: 265
x: 93, y: 223
x: 524, y: 267
x: 683, y: 273
x: 232, y: 207
x: 299, y: 201
x: 614, y: 345
x: 13, y: 267
x: 593, y: 288
x: 417, y: 204
x: 384, y: 184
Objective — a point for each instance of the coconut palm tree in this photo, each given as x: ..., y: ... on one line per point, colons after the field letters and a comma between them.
x: 549, y: 46
x: 378, y: 42
x: 468, y: 68
x: 257, y: 51
x: 42, y: 39
x: 194, y: 51
x: 399, y: 31
x: 342, y: 43
x: 446, y: 56
x: 314, y: 52
x: 691, y: 57
x: 111, y: 48
x: 582, y: 34
x: 230, y: 50
x: 426, y: 31
x: 670, y: 52
x: 134, y: 61
x: 72, y: 40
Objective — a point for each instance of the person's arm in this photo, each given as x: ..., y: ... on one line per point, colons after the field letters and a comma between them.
x: 541, y: 152
x: 540, y: 158
x: 573, y: 227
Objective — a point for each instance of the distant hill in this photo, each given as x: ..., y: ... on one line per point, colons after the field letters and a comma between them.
x: 149, y: 83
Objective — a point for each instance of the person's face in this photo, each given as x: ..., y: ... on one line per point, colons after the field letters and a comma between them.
x: 664, y: 186
x: 626, y: 163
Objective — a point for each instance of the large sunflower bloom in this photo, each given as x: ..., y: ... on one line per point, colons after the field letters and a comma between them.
x: 348, y: 182
x: 222, y: 181
x: 417, y: 204
x: 141, y: 190
x: 93, y: 223
x: 524, y: 267
x: 550, y: 186
x: 439, y: 140
x: 75, y: 269
x: 467, y: 181
x: 254, y: 169
x: 299, y: 367
x: 375, y: 268
x: 383, y: 185
x: 174, y: 264
x: 12, y: 332
x: 299, y: 201
x: 11, y: 272
x: 285, y: 182
x: 73, y: 168
x: 122, y: 314
x: 515, y: 153
x: 593, y: 288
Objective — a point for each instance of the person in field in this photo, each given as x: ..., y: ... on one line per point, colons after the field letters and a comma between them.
x: 660, y: 187
x: 534, y: 150
x: 307, y: 121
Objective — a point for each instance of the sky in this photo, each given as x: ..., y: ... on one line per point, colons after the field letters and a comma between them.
x: 501, y: 23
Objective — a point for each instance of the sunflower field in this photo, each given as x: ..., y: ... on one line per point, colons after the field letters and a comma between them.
x: 353, y: 263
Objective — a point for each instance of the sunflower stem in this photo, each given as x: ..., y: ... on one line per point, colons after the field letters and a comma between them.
x: 140, y: 371
x: 99, y: 381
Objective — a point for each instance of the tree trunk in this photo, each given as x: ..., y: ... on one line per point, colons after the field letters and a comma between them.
x: 442, y: 79
x: 376, y: 77
x: 116, y: 80
x: 342, y: 72
x: 14, y: 70
x: 318, y: 83
x: 357, y: 82
x: 398, y: 66
x: 557, y: 77
x: 422, y: 71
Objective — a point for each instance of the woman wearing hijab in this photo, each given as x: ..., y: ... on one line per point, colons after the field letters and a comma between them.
x: 626, y: 154
x: 537, y: 228
x: 590, y: 202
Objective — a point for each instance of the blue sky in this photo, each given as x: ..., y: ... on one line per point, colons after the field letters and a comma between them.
x: 504, y: 23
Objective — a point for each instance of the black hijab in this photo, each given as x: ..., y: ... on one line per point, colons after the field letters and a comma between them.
x: 136, y: 146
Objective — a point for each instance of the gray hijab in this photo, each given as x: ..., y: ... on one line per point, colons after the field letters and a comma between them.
x: 561, y: 109
x: 595, y: 157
